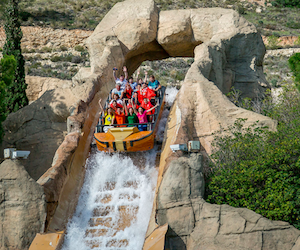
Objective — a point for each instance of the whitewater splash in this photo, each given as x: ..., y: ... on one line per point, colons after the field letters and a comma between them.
x: 115, y: 203
x: 116, y: 199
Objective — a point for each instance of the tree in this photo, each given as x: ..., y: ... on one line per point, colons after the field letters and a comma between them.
x: 8, y: 67
x: 15, y: 96
x: 294, y: 63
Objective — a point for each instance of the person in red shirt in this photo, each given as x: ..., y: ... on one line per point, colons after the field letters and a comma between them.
x: 127, y: 93
x: 114, y: 105
x: 143, y: 92
x: 120, y: 117
x: 147, y: 105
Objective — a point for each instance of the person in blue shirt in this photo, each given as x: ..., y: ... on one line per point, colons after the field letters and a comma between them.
x: 132, y: 84
x: 153, y: 84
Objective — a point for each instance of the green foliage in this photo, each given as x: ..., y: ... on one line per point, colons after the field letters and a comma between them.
x: 46, y: 50
x: 15, y: 97
x: 294, y: 63
x: 272, y: 42
x: 79, y: 48
x: 286, y: 3
x: 8, y: 66
x: 258, y: 169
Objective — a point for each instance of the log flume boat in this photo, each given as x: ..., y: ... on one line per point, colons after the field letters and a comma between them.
x: 129, y: 139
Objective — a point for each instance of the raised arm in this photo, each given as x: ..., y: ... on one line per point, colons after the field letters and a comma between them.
x: 134, y: 109
x: 101, y: 107
x: 148, y: 110
x: 125, y: 73
x: 158, y: 87
x: 114, y: 73
x: 137, y: 75
x: 125, y: 106
x: 146, y: 76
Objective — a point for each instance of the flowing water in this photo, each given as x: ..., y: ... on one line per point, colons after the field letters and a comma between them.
x: 116, y: 199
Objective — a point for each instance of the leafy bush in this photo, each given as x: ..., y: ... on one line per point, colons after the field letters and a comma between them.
x: 272, y: 42
x: 294, y: 63
x: 286, y: 3
x: 79, y: 48
x: 46, y: 50
x: 258, y: 169
x: 55, y: 58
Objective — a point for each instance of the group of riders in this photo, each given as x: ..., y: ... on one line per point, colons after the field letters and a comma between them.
x: 132, y: 103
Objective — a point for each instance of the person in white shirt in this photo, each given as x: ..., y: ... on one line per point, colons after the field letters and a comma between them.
x: 123, y: 78
x: 117, y: 90
x: 117, y: 98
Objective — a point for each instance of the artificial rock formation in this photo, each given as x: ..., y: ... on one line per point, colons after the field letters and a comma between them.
x: 22, y: 207
x: 228, y: 52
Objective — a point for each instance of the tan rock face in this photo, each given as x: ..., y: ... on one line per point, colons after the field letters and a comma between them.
x: 22, y: 207
x: 37, y: 86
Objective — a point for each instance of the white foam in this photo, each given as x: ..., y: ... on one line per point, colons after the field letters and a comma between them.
x: 171, y: 93
x: 103, y: 168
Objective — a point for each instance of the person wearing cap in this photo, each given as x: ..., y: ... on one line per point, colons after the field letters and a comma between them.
x: 117, y: 90
x: 123, y: 78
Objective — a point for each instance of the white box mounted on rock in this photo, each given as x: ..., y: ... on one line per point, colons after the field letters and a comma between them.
x: 12, y: 153
x: 179, y: 147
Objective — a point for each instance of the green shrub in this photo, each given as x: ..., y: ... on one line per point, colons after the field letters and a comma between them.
x: 294, y: 63
x: 286, y: 3
x: 55, y: 58
x: 272, y: 42
x: 46, y: 50
x: 258, y: 169
x: 79, y: 48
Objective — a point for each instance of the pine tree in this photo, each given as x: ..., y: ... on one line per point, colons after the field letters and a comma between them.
x: 8, y: 66
x: 15, y: 97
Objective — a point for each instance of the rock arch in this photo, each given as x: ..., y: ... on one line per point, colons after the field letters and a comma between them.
x: 228, y: 51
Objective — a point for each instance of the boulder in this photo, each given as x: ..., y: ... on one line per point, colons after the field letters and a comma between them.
x: 40, y: 128
x: 22, y: 207
x: 37, y: 86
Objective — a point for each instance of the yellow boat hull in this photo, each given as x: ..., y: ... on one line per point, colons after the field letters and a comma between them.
x: 128, y: 139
